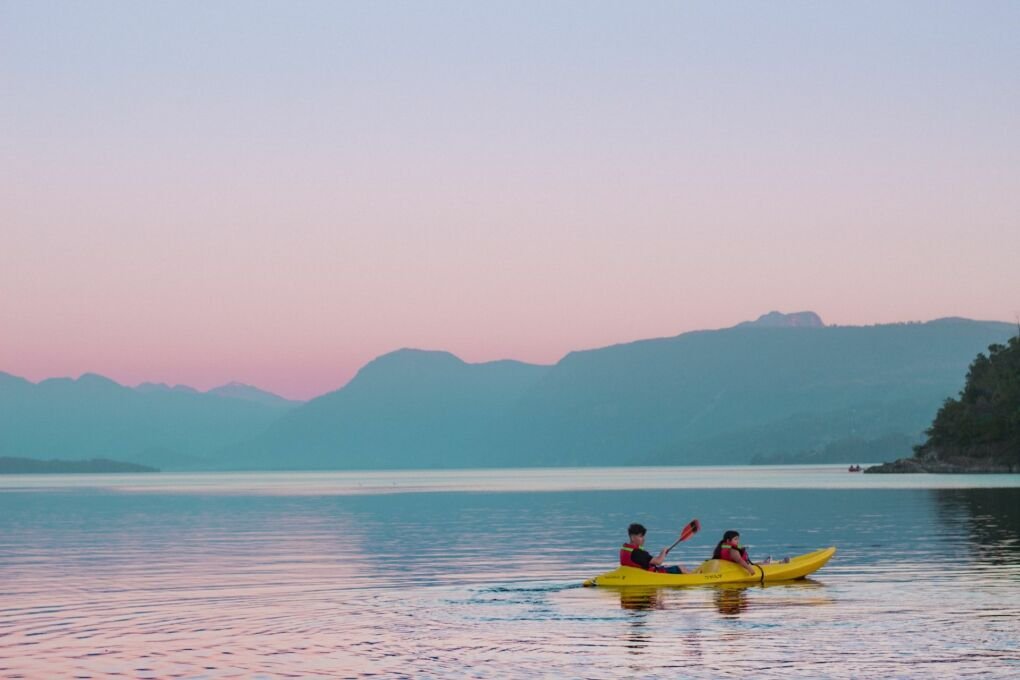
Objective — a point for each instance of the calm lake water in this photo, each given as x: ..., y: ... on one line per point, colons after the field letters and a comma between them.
x: 477, y: 574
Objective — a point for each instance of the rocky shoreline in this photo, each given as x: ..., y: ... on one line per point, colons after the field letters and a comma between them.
x: 907, y: 465
x: 932, y: 462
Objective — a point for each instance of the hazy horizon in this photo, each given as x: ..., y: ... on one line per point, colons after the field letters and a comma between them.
x: 276, y: 194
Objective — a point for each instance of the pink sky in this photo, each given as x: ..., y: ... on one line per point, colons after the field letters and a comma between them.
x: 180, y: 203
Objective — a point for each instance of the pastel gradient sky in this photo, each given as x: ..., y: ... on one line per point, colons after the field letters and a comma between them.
x: 278, y: 192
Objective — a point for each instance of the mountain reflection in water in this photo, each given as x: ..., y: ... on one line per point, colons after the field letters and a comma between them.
x: 989, y: 517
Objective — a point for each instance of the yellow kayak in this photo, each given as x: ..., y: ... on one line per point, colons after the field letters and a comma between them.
x: 718, y: 571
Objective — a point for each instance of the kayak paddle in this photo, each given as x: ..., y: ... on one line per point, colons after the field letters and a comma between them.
x: 688, y: 531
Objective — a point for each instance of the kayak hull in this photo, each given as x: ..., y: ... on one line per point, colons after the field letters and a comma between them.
x: 713, y: 572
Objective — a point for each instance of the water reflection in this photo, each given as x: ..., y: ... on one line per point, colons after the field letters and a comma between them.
x: 641, y: 598
x: 989, y: 517
x: 730, y: 600
x: 488, y: 584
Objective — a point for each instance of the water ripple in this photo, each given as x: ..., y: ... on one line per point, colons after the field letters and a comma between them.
x: 487, y: 585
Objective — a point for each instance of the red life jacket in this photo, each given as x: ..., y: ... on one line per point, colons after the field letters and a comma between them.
x: 724, y: 552
x: 626, y: 561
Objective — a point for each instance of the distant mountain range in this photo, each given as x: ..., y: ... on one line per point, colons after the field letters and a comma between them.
x: 232, y: 390
x: 784, y: 385
x: 31, y: 466
x: 156, y: 425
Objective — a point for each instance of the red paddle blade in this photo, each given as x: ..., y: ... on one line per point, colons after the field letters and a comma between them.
x: 689, y: 530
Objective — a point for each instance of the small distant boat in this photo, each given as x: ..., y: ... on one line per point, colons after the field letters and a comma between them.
x: 712, y: 572
x: 854, y: 468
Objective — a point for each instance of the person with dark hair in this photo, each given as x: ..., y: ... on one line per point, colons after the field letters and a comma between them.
x: 729, y: 549
x: 633, y: 554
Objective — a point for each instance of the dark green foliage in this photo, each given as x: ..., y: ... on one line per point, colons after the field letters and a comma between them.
x: 985, y: 419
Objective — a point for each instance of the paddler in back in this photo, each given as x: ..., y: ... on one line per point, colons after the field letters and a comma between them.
x: 633, y: 554
x: 729, y: 549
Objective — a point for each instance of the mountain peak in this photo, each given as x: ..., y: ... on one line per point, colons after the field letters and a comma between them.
x: 415, y: 358
x: 947, y: 320
x: 779, y: 320
x: 10, y: 381
x: 407, y: 364
x: 240, y: 390
x: 415, y: 354
x: 147, y: 387
x: 97, y: 382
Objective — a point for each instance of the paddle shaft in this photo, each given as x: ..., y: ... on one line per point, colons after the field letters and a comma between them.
x: 678, y: 542
x: 687, y: 532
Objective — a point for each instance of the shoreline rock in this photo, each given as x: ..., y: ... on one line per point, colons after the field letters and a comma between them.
x: 912, y: 465
x: 931, y: 461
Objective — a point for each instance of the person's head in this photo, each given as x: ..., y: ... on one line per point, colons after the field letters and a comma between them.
x: 636, y: 532
x: 731, y: 537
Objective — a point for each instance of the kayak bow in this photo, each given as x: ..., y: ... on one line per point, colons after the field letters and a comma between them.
x: 718, y: 571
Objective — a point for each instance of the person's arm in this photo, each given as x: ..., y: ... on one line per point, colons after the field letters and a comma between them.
x: 735, y: 556
x: 660, y: 558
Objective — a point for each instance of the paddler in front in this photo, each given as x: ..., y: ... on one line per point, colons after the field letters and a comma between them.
x: 633, y: 554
